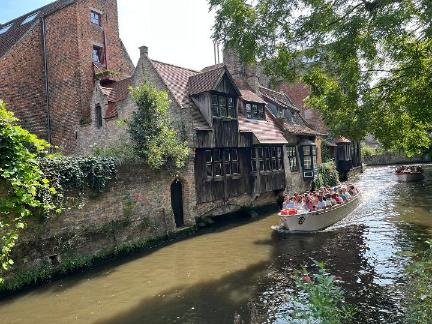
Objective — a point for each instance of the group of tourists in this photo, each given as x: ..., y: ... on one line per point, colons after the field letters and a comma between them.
x: 409, y: 169
x: 325, y: 197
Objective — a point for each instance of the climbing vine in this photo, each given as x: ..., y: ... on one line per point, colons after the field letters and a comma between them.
x: 23, y: 187
x: 154, y: 139
x: 33, y: 181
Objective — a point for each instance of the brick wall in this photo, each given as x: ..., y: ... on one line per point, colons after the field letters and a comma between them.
x: 22, y: 82
x: 70, y: 38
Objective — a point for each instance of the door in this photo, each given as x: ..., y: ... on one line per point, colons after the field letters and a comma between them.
x: 177, y: 202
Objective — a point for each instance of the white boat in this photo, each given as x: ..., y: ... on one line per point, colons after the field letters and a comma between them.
x: 409, y: 177
x: 318, y: 220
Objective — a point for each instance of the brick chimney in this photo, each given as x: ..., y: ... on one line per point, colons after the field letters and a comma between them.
x: 244, y: 74
x: 143, y: 51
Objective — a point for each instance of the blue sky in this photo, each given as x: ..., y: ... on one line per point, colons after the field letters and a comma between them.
x: 176, y: 31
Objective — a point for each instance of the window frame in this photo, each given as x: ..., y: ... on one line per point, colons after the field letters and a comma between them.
x: 267, y: 159
x: 311, y: 157
x: 292, y: 158
x: 93, y: 14
x: 256, y: 110
x: 224, y: 106
x: 100, y: 54
x: 226, y: 160
x: 98, y: 116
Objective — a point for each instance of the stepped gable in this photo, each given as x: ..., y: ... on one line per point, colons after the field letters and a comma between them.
x: 12, y: 31
x: 176, y: 80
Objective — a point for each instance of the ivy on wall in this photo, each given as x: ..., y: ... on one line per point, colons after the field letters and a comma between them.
x: 154, y: 139
x: 327, y: 175
x: 31, y: 180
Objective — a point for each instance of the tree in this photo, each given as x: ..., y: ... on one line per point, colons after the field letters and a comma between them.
x: 153, y: 137
x: 368, y: 62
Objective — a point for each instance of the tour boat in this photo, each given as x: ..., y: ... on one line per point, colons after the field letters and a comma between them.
x: 317, y: 220
x: 404, y: 174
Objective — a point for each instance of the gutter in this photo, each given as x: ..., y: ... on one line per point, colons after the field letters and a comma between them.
x: 45, y: 61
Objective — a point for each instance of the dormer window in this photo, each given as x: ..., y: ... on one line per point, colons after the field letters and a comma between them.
x: 4, y: 29
x: 255, y: 111
x: 96, y: 18
x: 223, y: 106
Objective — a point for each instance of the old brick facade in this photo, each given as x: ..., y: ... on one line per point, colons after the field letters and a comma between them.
x: 60, y: 37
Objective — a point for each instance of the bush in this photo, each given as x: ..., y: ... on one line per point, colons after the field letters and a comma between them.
x: 327, y: 175
x: 367, y: 151
x: 154, y: 139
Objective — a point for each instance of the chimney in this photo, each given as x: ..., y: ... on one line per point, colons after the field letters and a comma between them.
x: 143, y: 51
x: 243, y: 72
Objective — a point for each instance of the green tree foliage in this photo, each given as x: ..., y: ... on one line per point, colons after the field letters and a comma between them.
x: 154, y: 139
x: 368, y: 62
x: 23, y: 187
x: 327, y: 175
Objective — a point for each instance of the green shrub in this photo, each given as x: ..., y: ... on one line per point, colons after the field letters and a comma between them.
x: 327, y: 175
x: 367, y: 151
x: 153, y: 137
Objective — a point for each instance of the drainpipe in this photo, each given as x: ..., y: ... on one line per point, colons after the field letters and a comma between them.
x: 45, y: 59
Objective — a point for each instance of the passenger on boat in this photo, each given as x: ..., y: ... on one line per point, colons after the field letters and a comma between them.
x: 337, y: 198
x: 352, y: 190
x: 321, y: 203
x: 329, y: 201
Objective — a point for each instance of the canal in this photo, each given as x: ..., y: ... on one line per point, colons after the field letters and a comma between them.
x: 240, y: 268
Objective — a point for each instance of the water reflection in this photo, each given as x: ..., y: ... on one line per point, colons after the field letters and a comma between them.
x: 244, y: 269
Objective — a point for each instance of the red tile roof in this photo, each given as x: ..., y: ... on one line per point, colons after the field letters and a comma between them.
x: 265, y: 131
x: 17, y: 30
x: 206, y: 80
x: 176, y: 80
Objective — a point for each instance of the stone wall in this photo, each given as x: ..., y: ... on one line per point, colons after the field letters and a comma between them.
x: 136, y: 208
x: 388, y: 158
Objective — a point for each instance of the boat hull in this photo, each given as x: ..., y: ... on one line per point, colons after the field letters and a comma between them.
x: 316, y: 221
x: 409, y: 177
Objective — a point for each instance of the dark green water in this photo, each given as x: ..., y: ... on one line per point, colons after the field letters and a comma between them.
x: 241, y: 268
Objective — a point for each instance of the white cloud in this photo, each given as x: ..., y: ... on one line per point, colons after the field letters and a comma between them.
x: 176, y: 31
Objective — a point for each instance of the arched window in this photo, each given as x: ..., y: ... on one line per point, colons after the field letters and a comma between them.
x: 98, y: 116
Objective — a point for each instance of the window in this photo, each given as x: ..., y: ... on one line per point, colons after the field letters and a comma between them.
x: 309, y: 157
x: 292, y: 158
x: 97, y: 55
x: 223, y: 106
x: 4, y: 29
x: 221, y: 162
x: 29, y: 18
x: 268, y: 158
x: 96, y: 18
x: 255, y: 111
x: 98, y: 116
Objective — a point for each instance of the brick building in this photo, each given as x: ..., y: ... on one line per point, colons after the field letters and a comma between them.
x: 248, y: 143
x: 49, y: 59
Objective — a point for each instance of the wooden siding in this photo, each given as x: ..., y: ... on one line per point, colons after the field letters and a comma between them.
x: 225, y: 132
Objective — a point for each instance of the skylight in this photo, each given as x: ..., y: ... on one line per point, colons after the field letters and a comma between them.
x: 29, y: 18
x: 4, y: 29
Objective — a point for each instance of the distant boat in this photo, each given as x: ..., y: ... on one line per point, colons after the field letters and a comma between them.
x: 409, y: 174
x: 317, y: 220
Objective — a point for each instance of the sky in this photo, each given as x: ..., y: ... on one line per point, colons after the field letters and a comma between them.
x: 176, y: 31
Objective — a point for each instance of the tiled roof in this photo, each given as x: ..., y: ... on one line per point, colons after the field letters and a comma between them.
x: 248, y: 95
x: 17, y: 29
x: 298, y: 92
x: 277, y: 97
x: 265, y: 131
x: 298, y: 129
x: 176, y: 80
x: 117, y: 91
x: 342, y: 139
x: 206, y: 79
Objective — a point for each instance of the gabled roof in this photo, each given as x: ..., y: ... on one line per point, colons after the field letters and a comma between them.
x: 18, y: 28
x: 265, y: 131
x: 298, y: 129
x: 278, y: 98
x: 208, y: 79
x: 248, y: 95
x: 176, y: 80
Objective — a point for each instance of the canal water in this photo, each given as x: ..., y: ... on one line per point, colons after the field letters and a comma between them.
x: 240, y: 270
